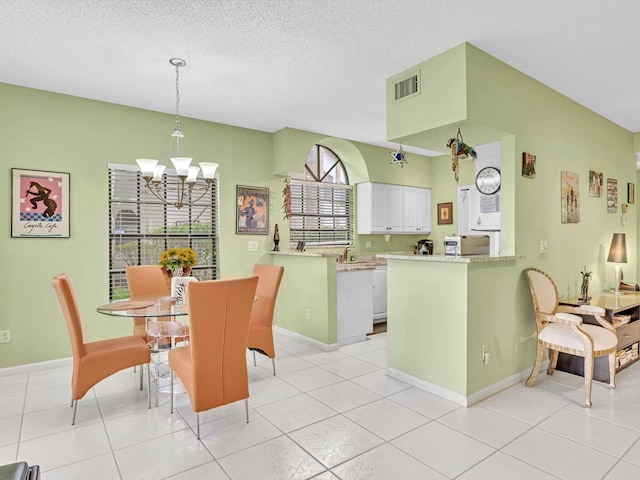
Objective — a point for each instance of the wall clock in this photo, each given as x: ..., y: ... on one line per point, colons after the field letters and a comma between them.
x: 488, y: 180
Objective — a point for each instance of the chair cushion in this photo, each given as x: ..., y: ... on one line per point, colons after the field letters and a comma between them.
x: 559, y: 334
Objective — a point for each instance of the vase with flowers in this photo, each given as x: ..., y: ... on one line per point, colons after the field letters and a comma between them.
x: 177, y: 262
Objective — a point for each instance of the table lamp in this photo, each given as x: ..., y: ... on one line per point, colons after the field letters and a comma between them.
x: 618, y: 255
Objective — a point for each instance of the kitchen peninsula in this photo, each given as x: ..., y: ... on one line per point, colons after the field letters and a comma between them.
x: 450, y: 332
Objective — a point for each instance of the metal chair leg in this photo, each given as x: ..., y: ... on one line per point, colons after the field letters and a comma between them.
x: 246, y: 408
x: 198, y: 422
x: 149, y: 383
x: 273, y: 362
x: 141, y: 369
x: 254, y: 358
x: 75, y: 409
x: 171, y: 388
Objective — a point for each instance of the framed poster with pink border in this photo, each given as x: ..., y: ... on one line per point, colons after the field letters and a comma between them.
x: 39, y: 204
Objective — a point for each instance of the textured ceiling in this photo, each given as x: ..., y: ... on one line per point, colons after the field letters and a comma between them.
x: 316, y: 65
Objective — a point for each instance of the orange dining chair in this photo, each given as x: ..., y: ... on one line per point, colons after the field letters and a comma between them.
x: 260, y: 328
x: 213, y: 367
x: 146, y: 282
x: 95, y: 361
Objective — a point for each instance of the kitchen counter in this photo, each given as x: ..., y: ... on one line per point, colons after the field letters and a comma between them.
x: 362, y: 262
x: 450, y: 258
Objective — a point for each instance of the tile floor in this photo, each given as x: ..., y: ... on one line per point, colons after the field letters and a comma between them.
x: 325, y: 416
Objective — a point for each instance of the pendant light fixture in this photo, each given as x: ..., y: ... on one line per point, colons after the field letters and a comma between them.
x: 187, y: 190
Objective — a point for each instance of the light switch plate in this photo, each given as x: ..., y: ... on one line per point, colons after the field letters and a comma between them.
x: 544, y: 246
x: 253, y: 246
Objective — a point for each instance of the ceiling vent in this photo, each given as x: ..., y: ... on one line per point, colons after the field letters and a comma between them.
x: 408, y: 86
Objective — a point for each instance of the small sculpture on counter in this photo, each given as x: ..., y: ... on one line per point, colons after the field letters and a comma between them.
x: 584, y: 290
x: 276, y: 239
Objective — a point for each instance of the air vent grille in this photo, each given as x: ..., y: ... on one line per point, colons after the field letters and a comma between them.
x: 406, y: 87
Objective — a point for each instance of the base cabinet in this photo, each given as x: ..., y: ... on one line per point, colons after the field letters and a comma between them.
x: 355, y: 306
x: 380, y: 294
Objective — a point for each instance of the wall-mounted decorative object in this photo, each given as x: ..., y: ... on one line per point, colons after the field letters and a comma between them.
x: 612, y: 195
x: 39, y: 204
x: 570, y: 197
x: 528, y: 165
x: 595, y: 183
x: 286, y: 198
x: 445, y: 213
x: 459, y: 151
x: 631, y: 193
x: 399, y: 157
x: 252, y: 213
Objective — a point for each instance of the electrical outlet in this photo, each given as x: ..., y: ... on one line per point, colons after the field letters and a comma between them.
x: 253, y: 246
x: 367, y: 244
x: 5, y: 336
x: 485, y: 354
x: 308, y: 313
x: 544, y: 246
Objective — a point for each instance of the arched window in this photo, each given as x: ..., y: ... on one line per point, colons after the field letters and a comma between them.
x: 321, y: 202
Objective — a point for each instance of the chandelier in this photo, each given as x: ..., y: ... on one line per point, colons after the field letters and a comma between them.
x: 187, y: 190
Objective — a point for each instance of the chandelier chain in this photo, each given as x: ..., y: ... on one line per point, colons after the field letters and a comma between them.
x: 177, y: 93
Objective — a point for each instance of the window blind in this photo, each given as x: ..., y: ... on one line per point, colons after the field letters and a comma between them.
x: 141, y: 227
x: 321, y: 213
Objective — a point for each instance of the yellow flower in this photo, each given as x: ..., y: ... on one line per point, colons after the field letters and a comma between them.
x: 173, y: 258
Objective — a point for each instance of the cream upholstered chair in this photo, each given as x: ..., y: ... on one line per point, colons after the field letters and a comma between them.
x: 261, y: 329
x: 213, y: 367
x: 560, y: 330
x: 95, y: 361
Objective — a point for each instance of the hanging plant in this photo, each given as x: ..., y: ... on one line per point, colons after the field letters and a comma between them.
x: 286, y: 198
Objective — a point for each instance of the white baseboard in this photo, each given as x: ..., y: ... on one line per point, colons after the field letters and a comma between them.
x: 460, y: 399
x: 331, y: 347
x: 32, y: 367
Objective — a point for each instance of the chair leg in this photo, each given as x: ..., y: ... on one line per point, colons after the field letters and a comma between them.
x: 612, y: 370
x: 553, y: 361
x: 171, y: 388
x: 141, y: 369
x: 71, y: 400
x: 246, y: 408
x: 198, y: 427
x: 254, y: 357
x: 536, y: 367
x: 149, y: 383
x: 273, y: 362
x: 588, y: 378
x: 75, y: 409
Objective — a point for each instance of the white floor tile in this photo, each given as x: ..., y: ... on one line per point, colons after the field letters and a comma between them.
x: 618, y: 412
x: 102, y: 467
x: 326, y: 476
x: 384, y: 463
x: 559, y: 456
x: 295, y: 412
x: 10, y: 430
x: 360, y: 348
x: 623, y: 471
x: 231, y: 434
x: 277, y: 459
x: 633, y: 455
x: 522, y: 407
x: 58, y: 419
x: 270, y: 390
x: 350, y: 367
x: 376, y: 357
x: 445, y: 450
x: 378, y: 382
x: 503, y: 467
x: 311, y: 378
x: 386, y: 418
x: 142, y: 426
x: 335, y: 440
x: 208, y: 471
x: 321, y: 358
x: 9, y: 453
x: 344, y: 396
x: 54, y: 397
x: 485, y: 425
x: 295, y: 347
x: 425, y: 403
x: 13, y: 384
x: 288, y: 364
x: 53, y: 377
x: 11, y: 405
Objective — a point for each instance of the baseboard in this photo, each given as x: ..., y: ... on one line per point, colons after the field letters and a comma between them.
x: 32, y: 367
x: 309, y: 341
x: 455, y: 397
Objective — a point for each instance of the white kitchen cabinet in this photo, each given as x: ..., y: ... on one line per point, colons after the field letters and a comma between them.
x: 380, y: 294
x: 384, y: 208
x: 355, y: 305
x: 417, y: 210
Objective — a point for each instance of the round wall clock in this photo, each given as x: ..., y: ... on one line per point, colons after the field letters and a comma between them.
x: 488, y: 180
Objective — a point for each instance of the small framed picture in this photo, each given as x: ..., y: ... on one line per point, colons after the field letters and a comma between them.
x: 631, y: 193
x: 445, y: 213
x: 252, y: 212
x: 39, y: 204
x: 528, y: 165
x: 595, y: 183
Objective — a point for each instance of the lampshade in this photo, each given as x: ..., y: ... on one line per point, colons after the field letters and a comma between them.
x: 618, y: 249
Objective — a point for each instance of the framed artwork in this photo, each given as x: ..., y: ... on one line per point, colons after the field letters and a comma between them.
x: 631, y: 193
x: 612, y: 195
x: 445, y: 213
x: 39, y: 204
x: 595, y: 183
x: 252, y: 210
x: 528, y: 165
x: 570, y: 197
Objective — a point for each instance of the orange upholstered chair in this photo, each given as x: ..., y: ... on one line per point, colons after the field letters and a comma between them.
x: 146, y: 282
x: 95, y: 361
x: 260, y: 329
x: 213, y: 367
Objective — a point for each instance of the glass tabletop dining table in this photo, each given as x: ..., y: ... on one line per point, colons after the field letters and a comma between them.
x: 151, y: 308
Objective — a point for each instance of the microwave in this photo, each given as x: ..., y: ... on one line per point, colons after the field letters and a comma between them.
x: 467, y: 245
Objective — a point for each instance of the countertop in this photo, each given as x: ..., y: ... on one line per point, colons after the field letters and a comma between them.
x: 362, y: 262
x: 450, y: 258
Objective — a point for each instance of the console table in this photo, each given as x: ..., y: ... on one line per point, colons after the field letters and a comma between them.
x: 623, y: 311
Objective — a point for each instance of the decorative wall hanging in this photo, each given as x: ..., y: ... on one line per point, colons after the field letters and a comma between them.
x: 570, y: 198
x: 445, y: 213
x: 528, y: 165
x: 459, y: 151
x: 39, y: 204
x: 595, y: 183
x: 399, y: 157
x: 252, y: 213
x: 286, y: 198
x: 612, y: 195
x: 631, y: 193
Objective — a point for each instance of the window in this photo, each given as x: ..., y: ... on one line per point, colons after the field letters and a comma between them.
x: 141, y: 227
x: 321, y: 202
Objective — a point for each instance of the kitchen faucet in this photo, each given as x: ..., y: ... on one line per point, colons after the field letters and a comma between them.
x: 345, y: 255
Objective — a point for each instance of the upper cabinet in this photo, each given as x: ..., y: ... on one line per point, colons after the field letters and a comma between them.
x: 386, y: 208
